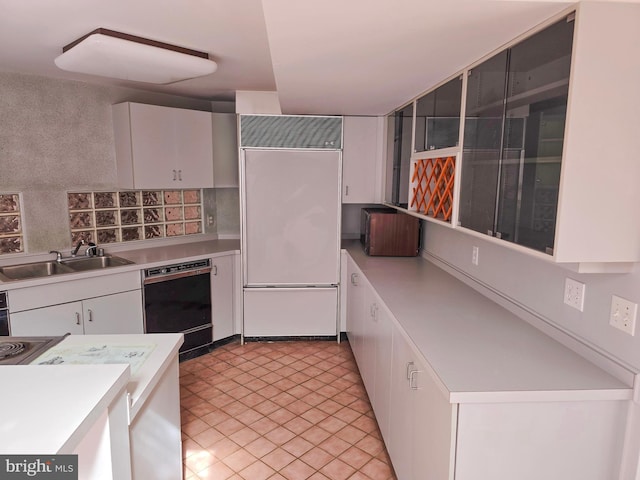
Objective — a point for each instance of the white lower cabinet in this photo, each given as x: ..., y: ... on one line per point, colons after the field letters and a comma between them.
x: 431, y: 436
x: 117, y: 313
x: 222, y: 296
x: 422, y: 420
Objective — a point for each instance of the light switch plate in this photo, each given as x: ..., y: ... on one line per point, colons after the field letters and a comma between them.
x: 474, y: 255
x: 623, y: 314
x: 574, y: 294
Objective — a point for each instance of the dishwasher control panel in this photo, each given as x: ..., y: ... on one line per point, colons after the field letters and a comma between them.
x: 178, y: 268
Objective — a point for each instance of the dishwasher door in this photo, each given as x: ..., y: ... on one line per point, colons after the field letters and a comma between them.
x: 180, y: 303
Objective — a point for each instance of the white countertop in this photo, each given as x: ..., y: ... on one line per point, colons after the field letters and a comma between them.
x: 45, y: 410
x: 162, y: 349
x: 480, y: 351
x: 147, y: 257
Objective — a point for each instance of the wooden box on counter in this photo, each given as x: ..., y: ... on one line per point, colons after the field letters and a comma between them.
x: 388, y: 232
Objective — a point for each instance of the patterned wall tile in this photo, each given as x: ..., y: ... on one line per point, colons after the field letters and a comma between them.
x: 11, y: 240
x: 192, y: 227
x: 108, y: 235
x: 173, y: 213
x: 11, y: 245
x: 151, y: 198
x: 129, y: 199
x: 191, y: 196
x: 174, y: 229
x: 192, y: 212
x: 9, y: 224
x: 104, y: 199
x: 172, y: 197
x: 79, y: 201
x: 9, y: 203
x: 130, y: 217
x: 105, y: 218
x: 80, y: 220
x: 110, y: 217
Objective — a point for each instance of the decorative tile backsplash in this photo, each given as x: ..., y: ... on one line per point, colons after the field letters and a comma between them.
x: 109, y: 217
x: 11, y: 234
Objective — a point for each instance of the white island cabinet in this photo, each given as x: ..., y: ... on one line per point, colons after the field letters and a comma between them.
x: 465, y: 390
x: 153, y: 393
x: 77, y: 409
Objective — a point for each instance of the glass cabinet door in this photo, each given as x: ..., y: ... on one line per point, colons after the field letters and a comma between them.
x: 482, y: 145
x: 514, y: 131
x: 403, y: 123
x: 438, y: 117
x: 535, y: 111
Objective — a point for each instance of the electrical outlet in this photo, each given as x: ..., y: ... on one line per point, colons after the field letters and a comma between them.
x: 209, y: 220
x: 623, y: 314
x: 574, y: 293
x: 474, y: 255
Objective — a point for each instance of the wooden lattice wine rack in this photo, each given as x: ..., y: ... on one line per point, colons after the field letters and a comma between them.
x: 432, y: 187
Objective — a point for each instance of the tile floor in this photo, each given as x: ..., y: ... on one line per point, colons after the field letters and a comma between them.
x: 282, y: 410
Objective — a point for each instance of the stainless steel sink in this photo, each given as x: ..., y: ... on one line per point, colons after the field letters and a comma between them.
x: 80, y: 264
x: 34, y: 270
x: 68, y: 265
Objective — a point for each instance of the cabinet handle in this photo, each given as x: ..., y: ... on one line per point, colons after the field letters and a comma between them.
x: 175, y: 175
x: 409, y: 369
x: 346, y: 193
x: 180, y: 175
x: 412, y: 377
x: 215, y: 270
x: 354, y: 279
x: 77, y: 318
x: 90, y: 314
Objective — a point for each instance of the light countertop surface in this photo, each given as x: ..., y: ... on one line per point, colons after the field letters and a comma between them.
x: 158, y: 349
x: 480, y: 351
x: 147, y: 257
x: 45, y: 410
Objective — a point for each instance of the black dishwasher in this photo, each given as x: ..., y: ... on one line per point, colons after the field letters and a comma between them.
x: 177, y: 299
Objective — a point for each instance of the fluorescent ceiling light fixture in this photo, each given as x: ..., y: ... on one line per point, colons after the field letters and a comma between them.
x: 107, y: 53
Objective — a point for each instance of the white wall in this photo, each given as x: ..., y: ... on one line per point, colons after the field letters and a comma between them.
x: 538, y: 286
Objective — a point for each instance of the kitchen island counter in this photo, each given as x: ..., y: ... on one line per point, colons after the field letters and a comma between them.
x: 153, y: 354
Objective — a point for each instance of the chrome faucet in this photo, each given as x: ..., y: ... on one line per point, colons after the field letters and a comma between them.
x: 92, y: 250
x: 75, y: 250
x: 58, y: 255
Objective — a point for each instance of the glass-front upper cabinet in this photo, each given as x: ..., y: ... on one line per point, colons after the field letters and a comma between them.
x: 514, y: 131
x: 438, y: 117
x: 402, y: 132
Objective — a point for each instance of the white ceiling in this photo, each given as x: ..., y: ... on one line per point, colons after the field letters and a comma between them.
x: 322, y: 56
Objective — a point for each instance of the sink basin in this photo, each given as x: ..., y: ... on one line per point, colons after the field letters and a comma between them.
x: 80, y: 264
x: 34, y: 270
x: 68, y: 265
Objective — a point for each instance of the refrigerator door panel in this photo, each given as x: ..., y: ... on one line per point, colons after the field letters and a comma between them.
x: 291, y: 217
x: 276, y: 312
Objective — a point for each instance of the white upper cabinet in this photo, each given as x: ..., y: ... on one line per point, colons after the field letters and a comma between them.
x: 162, y: 147
x: 362, y: 154
x: 225, y: 150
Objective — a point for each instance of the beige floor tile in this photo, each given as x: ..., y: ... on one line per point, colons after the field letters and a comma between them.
x: 279, y: 411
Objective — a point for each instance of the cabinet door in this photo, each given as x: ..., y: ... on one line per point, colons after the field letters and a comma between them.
x: 422, y: 421
x: 368, y: 348
x: 383, y: 350
x: 225, y: 150
x: 118, y: 313
x: 48, y: 321
x: 170, y: 147
x: 355, y: 310
x: 361, y: 160
x: 222, y: 296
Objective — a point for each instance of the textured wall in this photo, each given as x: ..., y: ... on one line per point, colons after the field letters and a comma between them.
x: 228, y: 211
x: 56, y: 135
x: 538, y: 285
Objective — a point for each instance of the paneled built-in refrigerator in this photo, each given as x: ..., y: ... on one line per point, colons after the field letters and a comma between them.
x: 291, y: 241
